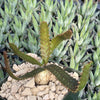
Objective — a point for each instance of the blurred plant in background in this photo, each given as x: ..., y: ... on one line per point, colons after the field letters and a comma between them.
x: 64, y: 17
x: 85, y: 47
x: 19, y: 22
x: 94, y: 84
x: 15, y: 22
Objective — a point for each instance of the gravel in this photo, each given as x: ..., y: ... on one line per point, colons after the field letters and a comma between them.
x: 28, y: 90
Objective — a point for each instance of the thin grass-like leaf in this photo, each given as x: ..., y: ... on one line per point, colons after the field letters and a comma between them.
x: 27, y: 75
x: 84, y: 76
x: 63, y: 77
x: 23, y: 56
x: 59, y: 38
x: 72, y: 61
x: 44, y: 41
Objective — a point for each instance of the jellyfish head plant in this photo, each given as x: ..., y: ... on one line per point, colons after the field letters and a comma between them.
x: 42, y: 74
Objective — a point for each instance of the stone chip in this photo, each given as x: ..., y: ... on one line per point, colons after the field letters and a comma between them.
x: 27, y: 92
x: 30, y: 83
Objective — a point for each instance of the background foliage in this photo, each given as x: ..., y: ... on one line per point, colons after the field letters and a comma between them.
x: 19, y: 24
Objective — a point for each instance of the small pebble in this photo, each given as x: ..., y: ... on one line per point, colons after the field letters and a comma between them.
x: 27, y: 92
x: 31, y: 98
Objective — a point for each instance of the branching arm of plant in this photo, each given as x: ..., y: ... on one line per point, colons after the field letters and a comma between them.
x: 47, y: 48
x: 27, y: 75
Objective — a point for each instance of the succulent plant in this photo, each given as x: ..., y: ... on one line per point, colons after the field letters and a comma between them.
x: 10, y: 27
x: 96, y: 58
x: 20, y: 19
x: 95, y: 73
x: 47, y: 46
x: 81, y: 48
